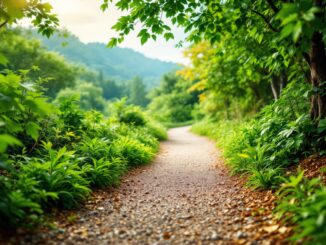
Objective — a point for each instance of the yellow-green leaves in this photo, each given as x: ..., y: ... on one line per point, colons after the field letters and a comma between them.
x: 15, y: 8
x: 39, y: 13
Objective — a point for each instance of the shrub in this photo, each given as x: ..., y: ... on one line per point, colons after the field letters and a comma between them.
x: 273, y: 140
x: 22, y: 107
x: 16, y: 208
x: 103, y: 172
x: 144, y: 136
x: 94, y: 148
x: 128, y: 114
x: 157, y: 130
x: 133, y: 116
x: 70, y: 113
x: 60, y: 175
x: 133, y: 151
x: 303, y: 203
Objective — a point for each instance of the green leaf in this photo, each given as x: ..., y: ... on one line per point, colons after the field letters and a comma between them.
x: 297, y: 31
x: 113, y: 43
x: 287, y: 30
x: 168, y: 36
x: 8, y: 140
x: 32, y: 130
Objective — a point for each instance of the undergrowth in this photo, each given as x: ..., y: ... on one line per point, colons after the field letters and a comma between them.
x: 52, y: 155
x: 264, y: 147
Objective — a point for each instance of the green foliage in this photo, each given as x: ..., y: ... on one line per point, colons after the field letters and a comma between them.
x: 103, y: 172
x: 303, y: 203
x: 28, y: 54
x: 94, y: 148
x: 137, y: 92
x: 171, y: 103
x: 272, y: 141
x: 60, y: 175
x: 133, y: 151
x: 15, y: 208
x: 84, y: 150
x: 266, y: 22
x: 40, y: 13
x: 90, y: 97
x: 112, y: 89
x: 70, y: 112
x: 22, y: 107
x: 157, y: 130
x: 128, y: 114
x: 132, y: 116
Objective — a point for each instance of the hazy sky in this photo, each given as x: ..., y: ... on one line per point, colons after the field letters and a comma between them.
x: 85, y: 19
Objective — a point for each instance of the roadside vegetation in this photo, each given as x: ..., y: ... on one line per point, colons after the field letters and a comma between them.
x: 64, y: 131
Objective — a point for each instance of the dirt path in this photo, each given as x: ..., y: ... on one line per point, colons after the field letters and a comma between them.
x: 182, y: 198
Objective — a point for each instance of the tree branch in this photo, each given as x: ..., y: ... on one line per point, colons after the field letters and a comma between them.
x: 3, y: 24
x: 266, y: 20
x: 273, y: 6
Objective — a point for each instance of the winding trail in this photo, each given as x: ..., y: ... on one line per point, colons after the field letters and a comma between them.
x: 184, y: 197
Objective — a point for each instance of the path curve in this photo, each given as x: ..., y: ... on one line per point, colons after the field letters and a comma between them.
x: 181, y: 198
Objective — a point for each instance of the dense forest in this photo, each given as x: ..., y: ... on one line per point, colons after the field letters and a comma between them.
x: 74, y: 121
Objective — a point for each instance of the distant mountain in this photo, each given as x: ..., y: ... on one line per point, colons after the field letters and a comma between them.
x: 118, y: 63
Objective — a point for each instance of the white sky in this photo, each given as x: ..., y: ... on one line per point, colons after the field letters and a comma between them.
x: 85, y: 19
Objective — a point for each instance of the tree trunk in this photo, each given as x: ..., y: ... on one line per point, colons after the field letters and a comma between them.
x: 318, y: 77
x: 273, y: 87
x: 227, y: 104
x: 283, y: 81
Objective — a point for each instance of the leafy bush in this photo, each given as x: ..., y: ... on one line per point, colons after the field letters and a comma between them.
x: 128, y: 114
x: 60, y: 175
x: 157, y: 130
x: 303, y: 203
x: 273, y: 140
x: 134, y: 152
x: 95, y: 148
x: 104, y: 172
x: 15, y: 207
x: 132, y: 116
x: 22, y: 107
x: 70, y: 112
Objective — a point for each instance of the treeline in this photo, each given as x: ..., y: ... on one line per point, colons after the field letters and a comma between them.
x: 61, y: 78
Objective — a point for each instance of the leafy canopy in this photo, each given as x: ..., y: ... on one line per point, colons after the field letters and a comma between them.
x: 39, y: 12
x: 209, y: 20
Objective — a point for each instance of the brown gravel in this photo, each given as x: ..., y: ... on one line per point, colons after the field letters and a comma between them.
x: 185, y: 196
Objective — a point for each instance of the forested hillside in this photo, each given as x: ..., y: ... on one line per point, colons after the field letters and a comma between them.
x: 117, y: 63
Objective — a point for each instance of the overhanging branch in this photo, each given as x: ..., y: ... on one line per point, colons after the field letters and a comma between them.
x: 3, y: 24
x: 265, y: 20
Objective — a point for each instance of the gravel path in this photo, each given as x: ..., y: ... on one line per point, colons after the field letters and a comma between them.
x: 181, y: 198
